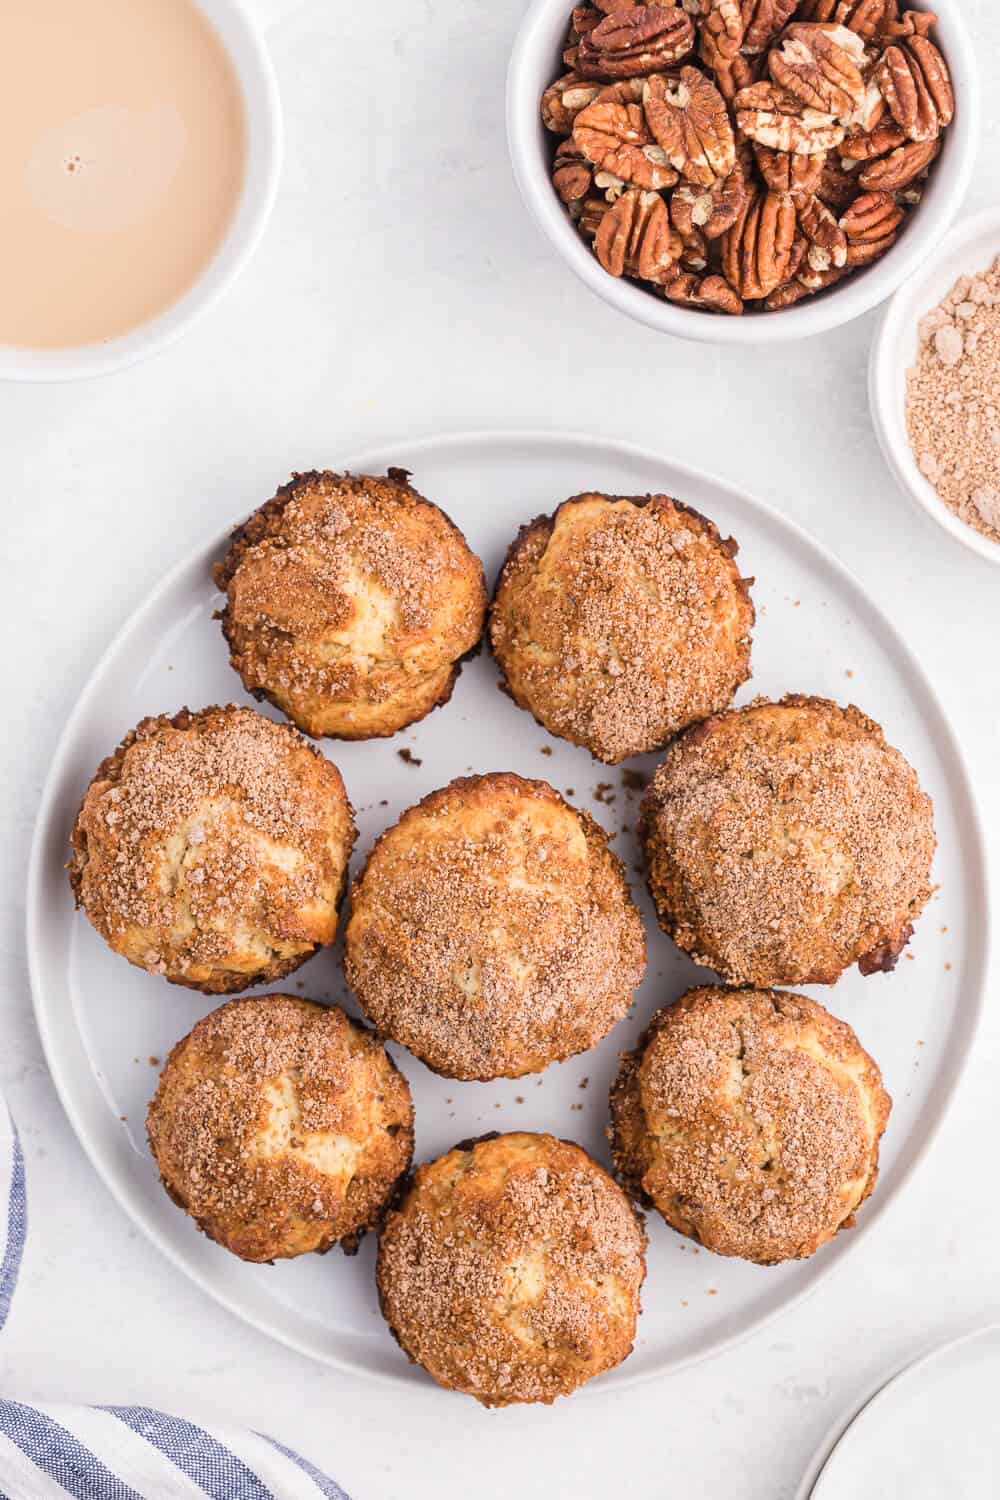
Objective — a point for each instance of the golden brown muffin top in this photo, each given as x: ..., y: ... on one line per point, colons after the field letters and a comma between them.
x: 751, y: 1119
x: 511, y: 1269
x: 492, y: 930
x: 341, y: 578
x: 620, y: 620
x: 281, y: 1126
x: 207, y: 825
x: 787, y: 841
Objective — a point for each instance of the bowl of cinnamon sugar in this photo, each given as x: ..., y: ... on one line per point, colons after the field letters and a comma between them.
x: 934, y: 385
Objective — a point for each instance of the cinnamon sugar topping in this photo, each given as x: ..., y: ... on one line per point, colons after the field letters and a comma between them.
x: 281, y: 1126
x: 512, y: 1269
x: 953, y: 401
x: 212, y: 848
x: 787, y: 841
x: 492, y: 931
x: 751, y: 1120
x: 620, y: 620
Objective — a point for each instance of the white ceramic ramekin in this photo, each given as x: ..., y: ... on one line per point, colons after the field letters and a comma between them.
x: 536, y: 61
x: 972, y: 246
x: 249, y: 57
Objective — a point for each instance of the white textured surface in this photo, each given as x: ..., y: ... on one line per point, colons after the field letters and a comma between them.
x: 400, y: 290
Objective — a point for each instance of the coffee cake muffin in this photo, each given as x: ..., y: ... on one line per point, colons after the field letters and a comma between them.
x: 492, y: 930
x: 511, y: 1269
x: 618, y: 621
x: 281, y: 1127
x: 751, y: 1120
x: 350, y: 600
x: 787, y: 841
x: 212, y: 848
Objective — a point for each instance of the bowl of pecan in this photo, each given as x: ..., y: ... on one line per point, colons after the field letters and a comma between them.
x: 702, y: 166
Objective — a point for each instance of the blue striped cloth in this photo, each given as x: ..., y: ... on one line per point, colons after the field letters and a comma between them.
x: 125, y: 1452
x: 13, y: 1208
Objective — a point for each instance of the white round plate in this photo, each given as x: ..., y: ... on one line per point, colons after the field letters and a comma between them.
x: 928, y: 1431
x: 103, y: 1023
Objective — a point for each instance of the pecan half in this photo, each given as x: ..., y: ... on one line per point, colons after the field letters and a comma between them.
x: 764, y: 19
x: 688, y: 117
x: 572, y: 173
x: 635, y: 238
x: 711, y: 292
x: 786, y: 295
x: 711, y: 210
x: 771, y: 116
x: 865, y: 17
x: 563, y: 101
x: 735, y: 73
x: 756, y: 251
x: 720, y: 30
x: 633, y: 43
x: 867, y: 145
x: 916, y: 86
x: 827, y: 240
x: 616, y: 138
x: 805, y: 284
x: 819, y: 64
x: 910, y: 23
x: 871, y: 226
x: 900, y: 167
x: 787, y: 173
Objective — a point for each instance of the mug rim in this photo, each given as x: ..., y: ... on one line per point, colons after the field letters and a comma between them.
x: 243, y: 44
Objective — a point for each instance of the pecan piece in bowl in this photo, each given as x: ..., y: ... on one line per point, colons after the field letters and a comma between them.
x: 633, y: 42
x: 689, y: 119
x: 789, y: 141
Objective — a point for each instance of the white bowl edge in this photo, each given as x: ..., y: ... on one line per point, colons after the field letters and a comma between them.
x: 533, y: 65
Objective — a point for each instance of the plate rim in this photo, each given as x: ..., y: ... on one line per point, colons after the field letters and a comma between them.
x: 852, y: 1413
x: 377, y: 456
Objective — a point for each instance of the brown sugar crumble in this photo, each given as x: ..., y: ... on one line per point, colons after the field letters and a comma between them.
x: 634, y: 781
x: 408, y: 757
x: 953, y: 401
x: 545, y: 750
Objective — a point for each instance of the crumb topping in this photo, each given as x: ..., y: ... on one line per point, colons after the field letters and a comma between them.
x: 512, y: 1269
x: 751, y: 1120
x: 281, y: 1126
x: 492, y: 930
x: 618, y: 621
x: 786, y: 841
x: 212, y: 846
x: 349, y: 601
